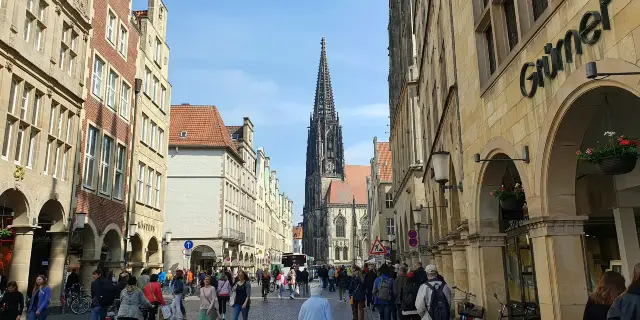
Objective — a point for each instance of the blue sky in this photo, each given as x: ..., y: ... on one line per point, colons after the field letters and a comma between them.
x: 260, y: 59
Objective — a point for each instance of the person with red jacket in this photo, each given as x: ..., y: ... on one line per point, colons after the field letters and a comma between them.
x: 153, y: 293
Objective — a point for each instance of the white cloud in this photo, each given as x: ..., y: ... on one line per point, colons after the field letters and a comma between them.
x: 359, y: 153
x: 370, y: 111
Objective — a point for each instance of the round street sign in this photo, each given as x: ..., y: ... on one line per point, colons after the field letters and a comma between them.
x: 413, y: 242
x: 188, y: 244
x: 413, y: 234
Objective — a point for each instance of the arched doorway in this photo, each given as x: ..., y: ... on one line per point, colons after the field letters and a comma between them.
x: 84, y: 254
x: 203, y: 258
x: 154, y: 260
x: 577, y: 188
x: 135, y: 261
x: 14, y: 211
x: 111, y: 251
x: 503, y: 215
x: 48, y: 245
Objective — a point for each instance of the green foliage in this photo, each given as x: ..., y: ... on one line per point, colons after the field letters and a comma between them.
x: 615, y: 146
x: 509, y: 193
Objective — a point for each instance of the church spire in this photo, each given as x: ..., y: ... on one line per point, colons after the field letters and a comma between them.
x: 323, y: 106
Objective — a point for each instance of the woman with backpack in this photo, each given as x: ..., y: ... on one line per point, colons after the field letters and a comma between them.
x: 40, y: 298
x: 383, y: 292
x: 357, y: 294
x: 131, y: 299
x: 224, y: 290
x: 153, y: 293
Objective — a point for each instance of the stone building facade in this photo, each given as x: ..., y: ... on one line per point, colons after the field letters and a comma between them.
x: 41, y: 96
x: 383, y: 221
x: 516, y: 71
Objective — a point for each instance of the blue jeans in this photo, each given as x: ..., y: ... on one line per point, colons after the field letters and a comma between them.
x: 43, y: 315
x: 325, y: 282
x: 237, y: 309
x: 385, y: 311
x: 98, y: 313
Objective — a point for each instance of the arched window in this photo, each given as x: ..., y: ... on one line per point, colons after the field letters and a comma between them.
x: 345, y: 253
x: 340, y: 227
x: 337, y: 253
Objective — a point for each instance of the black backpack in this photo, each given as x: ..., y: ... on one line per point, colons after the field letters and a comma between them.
x: 409, y: 294
x: 439, y: 308
x: 107, y: 293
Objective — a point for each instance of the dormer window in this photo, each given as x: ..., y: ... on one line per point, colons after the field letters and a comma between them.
x: 183, y: 134
x: 235, y: 136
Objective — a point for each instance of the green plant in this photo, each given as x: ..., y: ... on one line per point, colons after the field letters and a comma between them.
x: 5, y: 233
x: 615, y: 146
x: 516, y: 192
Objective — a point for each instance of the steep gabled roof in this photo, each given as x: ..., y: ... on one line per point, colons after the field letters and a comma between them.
x: 199, y: 126
x: 384, y: 162
x: 354, y: 185
x: 236, y: 130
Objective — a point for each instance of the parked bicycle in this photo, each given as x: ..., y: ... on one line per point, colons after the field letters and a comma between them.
x: 468, y: 310
x: 77, y: 299
x: 518, y: 311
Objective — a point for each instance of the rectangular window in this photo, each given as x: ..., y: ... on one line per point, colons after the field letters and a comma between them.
x: 39, y: 37
x: 52, y: 117
x: 388, y: 200
x: 55, y: 160
x: 98, y: 68
x: 145, y: 127
x: 140, y: 185
x: 147, y: 80
x: 65, y: 158
x: 69, y: 125
x: 154, y: 90
x: 151, y: 176
x: 112, y: 88
x: 19, y: 143
x: 72, y: 62
x: 158, y: 51
x: 125, y: 96
x: 60, y: 123
x: 511, y: 22
x: 13, y: 95
x: 24, y: 104
x: 123, y: 41
x: 118, y: 185
x: 31, y: 151
x: 28, y: 21
x: 90, y: 157
x: 105, y: 165
x: 488, y: 34
x: 157, y: 186
x: 74, y: 41
x: 160, y: 141
x: 152, y: 135
x: 7, y: 139
x: 163, y: 97
x: 47, y: 158
x: 538, y: 8
x: 62, y: 58
x: 30, y: 4
x: 391, y: 228
x: 42, y: 10
x: 111, y: 27
x: 35, y: 112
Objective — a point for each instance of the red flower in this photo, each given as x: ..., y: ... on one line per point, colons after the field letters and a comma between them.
x: 578, y: 153
x: 491, y: 193
x: 634, y: 143
x: 625, y: 142
x: 589, y: 151
x: 502, y: 189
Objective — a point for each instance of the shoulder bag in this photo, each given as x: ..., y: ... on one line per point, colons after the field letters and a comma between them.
x: 232, y: 296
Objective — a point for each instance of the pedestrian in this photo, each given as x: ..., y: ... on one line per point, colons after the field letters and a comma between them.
x: 357, y: 294
x: 208, y: 300
x: 323, y: 274
x: 401, y: 282
x: 143, y: 279
x: 383, y: 292
x: 242, y: 301
x: 266, y: 280
x: 12, y: 302
x: 153, y: 293
x: 342, y: 282
x: 102, y: 295
x: 40, y: 298
x: 611, y: 285
x: 281, y: 282
x: 316, y: 307
x: 72, y: 279
x: 179, y: 311
x: 131, y: 299
x: 292, y: 283
x: 304, y: 282
x: 224, y: 290
x: 259, y: 275
x: 162, y: 277
x: 410, y: 290
x: 434, y: 297
x: 627, y: 305
x: 332, y: 280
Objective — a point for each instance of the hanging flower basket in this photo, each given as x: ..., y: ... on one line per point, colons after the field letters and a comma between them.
x: 5, y: 234
x: 511, y: 199
x: 618, y: 156
x: 512, y: 204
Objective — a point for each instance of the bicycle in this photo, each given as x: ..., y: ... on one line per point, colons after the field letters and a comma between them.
x: 468, y: 310
x: 77, y: 299
x: 527, y: 310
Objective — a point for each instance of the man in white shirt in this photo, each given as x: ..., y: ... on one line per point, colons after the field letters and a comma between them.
x: 316, y: 307
x: 442, y: 307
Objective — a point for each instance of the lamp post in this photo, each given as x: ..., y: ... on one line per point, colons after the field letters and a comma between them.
x: 137, y: 89
x: 80, y: 218
x: 392, y: 238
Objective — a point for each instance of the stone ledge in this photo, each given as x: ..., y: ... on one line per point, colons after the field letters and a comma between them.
x: 478, y: 240
x: 556, y: 226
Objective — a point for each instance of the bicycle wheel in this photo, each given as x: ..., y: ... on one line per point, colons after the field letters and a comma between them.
x: 79, y: 305
x: 272, y: 287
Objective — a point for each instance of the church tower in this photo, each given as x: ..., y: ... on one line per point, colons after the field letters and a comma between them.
x: 325, y: 161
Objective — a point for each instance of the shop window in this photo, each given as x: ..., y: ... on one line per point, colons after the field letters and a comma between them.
x: 511, y: 22
x: 491, y: 54
x: 520, y: 273
x: 539, y: 6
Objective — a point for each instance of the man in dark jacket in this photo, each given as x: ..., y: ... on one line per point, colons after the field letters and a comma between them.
x: 303, y: 280
x: 398, y: 288
x: 323, y: 274
x: 99, y: 289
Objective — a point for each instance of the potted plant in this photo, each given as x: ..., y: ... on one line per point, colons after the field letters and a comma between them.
x: 618, y: 156
x: 511, y: 199
x: 5, y: 233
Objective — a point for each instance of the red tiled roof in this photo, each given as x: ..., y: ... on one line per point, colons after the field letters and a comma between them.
x: 384, y: 162
x: 203, y: 126
x: 297, y: 232
x: 354, y: 185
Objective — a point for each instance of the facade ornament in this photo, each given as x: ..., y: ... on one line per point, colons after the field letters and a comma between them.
x: 478, y: 240
x: 541, y: 227
x: 19, y: 173
x: 49, y: 92
x: 9, y: 66
x: 58, y: 10
x: 14, y: 29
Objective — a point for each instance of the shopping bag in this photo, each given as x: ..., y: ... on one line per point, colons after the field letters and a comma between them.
x: 232, y: 297
x: 166, y: 312
x: 298, y: 290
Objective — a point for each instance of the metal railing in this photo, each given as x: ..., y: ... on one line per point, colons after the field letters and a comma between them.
x: 233, y: 235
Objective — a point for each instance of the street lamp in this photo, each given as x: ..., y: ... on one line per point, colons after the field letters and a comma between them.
x: 392, y: 238
x: 133, y: 229
x: 167, y: 237
x: 441, y: 166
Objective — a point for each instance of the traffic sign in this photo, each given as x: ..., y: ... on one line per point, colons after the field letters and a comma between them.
x: 188, y: 244
x: 186, y: 251
x: 413, y: 242
x: 377, y: 248
x: 413, y: 234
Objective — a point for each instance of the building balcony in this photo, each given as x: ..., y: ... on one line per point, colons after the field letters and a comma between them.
x: 233, y: 235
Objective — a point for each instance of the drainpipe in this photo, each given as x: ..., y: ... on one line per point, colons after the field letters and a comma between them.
x: 138, y: 86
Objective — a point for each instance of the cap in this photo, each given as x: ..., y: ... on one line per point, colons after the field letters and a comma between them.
x: 431, y: 269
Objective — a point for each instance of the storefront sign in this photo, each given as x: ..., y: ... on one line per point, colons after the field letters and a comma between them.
x: 549, y: 65
x: 146, y: 226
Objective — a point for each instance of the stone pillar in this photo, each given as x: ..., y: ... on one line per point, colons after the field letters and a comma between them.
x: 447, y: 265
x: 87, y: 267
x: 627, y: 240
x: 57, y: 259
x: 460, y: 279
x: 559, y: 267
x: 21, y: 256
x: 438, y: 259
x: 486, y: 271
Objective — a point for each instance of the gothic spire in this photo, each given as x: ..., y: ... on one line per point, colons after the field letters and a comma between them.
x: 323, y: 105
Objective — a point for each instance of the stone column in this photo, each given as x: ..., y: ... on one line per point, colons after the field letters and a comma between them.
x: 21, y: 256
x: 559, y: 267
x: 57, y: 259
x: 486, y: 271
x: 627, y: 240
x: 460, y: 279
x: 87, y: 267
x: 438, y: 259
x: 447, y: 265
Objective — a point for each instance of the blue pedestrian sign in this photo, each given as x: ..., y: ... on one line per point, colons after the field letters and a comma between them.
x: 188, y: 244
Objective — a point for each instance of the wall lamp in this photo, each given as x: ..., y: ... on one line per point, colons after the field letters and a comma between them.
x: 441, y: 167
x: 592, y: 72
x: 525, y: 157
